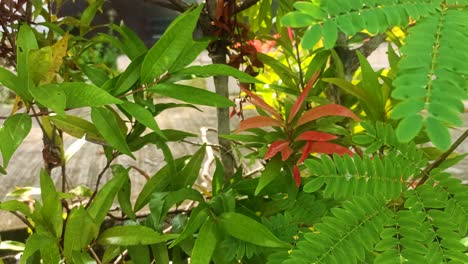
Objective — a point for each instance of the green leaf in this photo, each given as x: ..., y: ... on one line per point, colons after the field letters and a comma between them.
x: 314, y: 185
x: 26, y: 41
x: 14, y: 205
x: 217, y: 70
x: 205, y: 243
x: 160, y: 253
x: 189, y: 54
x: 191, y: 171
x: 329, y: 33
x: 409, y: 127
x: 105, y: 197
x: 82, y: 258
x: 108, y: 126
x: 191, y: 94
x: 79, y: 232
x: 350, y: 88
x: 12, y: 133
x: 81, y: 94
x: 406, y: 108
x: 77, y: 127
x: 129, y: 77
x: 273, y: 169
x: 438, y: 133
x: 39, y: 62
x: 11, y: 245
x: 198, y: 216
x: 97, y: 76
x: 10, y: 81
x: 46, y: 244
x: 132, y: 45
x: 143, y: 116
x: 51, y: 96
x: 139, y: 254
x: 132, y: 235
x: 218, y: 178
x: 51, y: 205
x: 311, y: 37
x: 166, y: 51
x: 88, y: 15
x: 158, y: 183
x: 249, y: 230
x: 297, y: 19
x: 124, y: 193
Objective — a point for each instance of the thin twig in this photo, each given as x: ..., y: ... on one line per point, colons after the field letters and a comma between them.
x: 95, y: 256
x: 251, y: 173
x: 98, y: 181
x: 142, y: 172
x: 24, y: 220
x: 425, y: 173
x: 298, y: 60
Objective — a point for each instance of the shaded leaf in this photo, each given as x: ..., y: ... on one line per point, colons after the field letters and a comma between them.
x: 132, y: 235
x: 217, y: 70
x: 79, y: 232
x: 245, y: 228
x: 191, y: 95
x: 12, y: 133
x: 107, y: 125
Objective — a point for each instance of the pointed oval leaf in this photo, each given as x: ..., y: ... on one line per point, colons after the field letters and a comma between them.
x: 107, y: 125
x: 300, y: 100
x: 257, y: 101
x: 329, y: 148
x: 316, y: 136
x: 143, y: 116
x: 256, y: 122
x: 77, y: 127
x: 297, y: 19
x: 80, y: 94
x: 12, y: 133
x: 329, y: 33
x: 438, y: 133
x: 245, y: 228
x: 191, y: 94
x: 217, y: 70
x: 409, y: 127
x: 79, y: 231
x: 326, y: 110
x: 105, y: 197
x: 132, y: 236
x: 276, y: 147
x: 167, y: 49
x: 51, y: 97
x: 270, y: 173
x: 314, y: 185
x: 311, y: 37
x: 205, y: 243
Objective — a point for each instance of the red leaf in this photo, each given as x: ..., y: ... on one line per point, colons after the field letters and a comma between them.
x: 300, y: 100
x: 256, y: 100
x: 276, y: 147
x: 297, y: 176
x: 326, y: 110
x: 329, y: 148
x: 305, y: 152
x: 316, y: 136
x: 257, y: 121
x: 286, y: 152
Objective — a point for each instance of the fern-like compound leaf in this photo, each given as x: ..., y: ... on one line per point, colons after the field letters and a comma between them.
x: 345, y: 177
x: 345, y: 236
x: 351, y: 17
x: 432, y: 78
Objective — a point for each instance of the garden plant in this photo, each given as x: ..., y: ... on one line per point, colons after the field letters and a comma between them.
x: 354, y: 160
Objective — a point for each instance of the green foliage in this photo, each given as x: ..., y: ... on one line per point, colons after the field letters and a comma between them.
x: 327, y: 190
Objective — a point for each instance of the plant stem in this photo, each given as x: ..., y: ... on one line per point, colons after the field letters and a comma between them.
x: 98, y: 181
x: 298, y: 60
x: 425, y: 173
x: 24, y: 220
